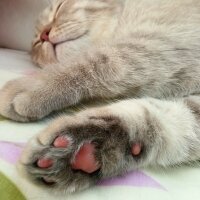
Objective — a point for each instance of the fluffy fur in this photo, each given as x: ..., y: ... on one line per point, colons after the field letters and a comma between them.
x: 105, y: 49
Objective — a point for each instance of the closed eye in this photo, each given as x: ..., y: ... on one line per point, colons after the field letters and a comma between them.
x: 72, y: 39
x: 58, y: 9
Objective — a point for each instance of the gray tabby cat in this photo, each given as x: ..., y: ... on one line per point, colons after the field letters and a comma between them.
x: 145, y: 51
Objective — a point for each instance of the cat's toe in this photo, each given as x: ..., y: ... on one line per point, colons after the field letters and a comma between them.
x: 44, y: 162
x: 61, y: 142
x: 29, y: 106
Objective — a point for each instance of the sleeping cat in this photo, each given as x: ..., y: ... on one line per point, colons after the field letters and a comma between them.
x: 146, y: 52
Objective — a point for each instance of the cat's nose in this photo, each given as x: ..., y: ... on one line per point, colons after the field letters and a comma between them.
x: 45, y: 35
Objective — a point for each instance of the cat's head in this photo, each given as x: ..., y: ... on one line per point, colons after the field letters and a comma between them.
x: 68, y: 26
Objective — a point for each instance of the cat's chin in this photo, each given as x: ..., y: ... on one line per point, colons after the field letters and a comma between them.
x: 44, y: 54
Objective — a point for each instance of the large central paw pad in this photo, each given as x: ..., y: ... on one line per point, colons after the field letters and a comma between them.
x: 85, y: 159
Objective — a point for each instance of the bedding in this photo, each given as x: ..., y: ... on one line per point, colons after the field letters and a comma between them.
x: 175, y: 183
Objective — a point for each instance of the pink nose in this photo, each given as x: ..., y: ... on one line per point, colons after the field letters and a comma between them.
x: 45, y: 35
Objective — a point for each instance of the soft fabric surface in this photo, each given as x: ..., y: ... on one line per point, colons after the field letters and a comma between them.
x: 181, y: 183
x: 8, y: 190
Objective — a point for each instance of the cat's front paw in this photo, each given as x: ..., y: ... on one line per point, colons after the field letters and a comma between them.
x: 20, y: 100
x: 75, y: 152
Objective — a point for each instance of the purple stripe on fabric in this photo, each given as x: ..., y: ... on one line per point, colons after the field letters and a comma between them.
x: 10, y: 152
x: 135, y: 179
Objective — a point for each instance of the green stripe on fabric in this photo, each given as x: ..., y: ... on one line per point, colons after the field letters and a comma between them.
x: 2, y: 118
x: 8, y: 190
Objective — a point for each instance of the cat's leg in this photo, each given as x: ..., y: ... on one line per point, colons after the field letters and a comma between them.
x: 75, y: 152
x: 108, y: 72
x: 94, y: 75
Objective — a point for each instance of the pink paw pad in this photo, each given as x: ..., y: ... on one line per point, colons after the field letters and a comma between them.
x: 61, y: 142
x: 48, y: 181
x: 136, y: 149
x: 85, y: 160
x: 44, y: 163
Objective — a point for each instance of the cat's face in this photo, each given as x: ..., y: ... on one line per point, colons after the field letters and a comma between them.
x: 69, y: 26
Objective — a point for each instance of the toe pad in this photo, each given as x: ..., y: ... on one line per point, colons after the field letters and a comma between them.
x: 136, y: 149
x: 44, y: 163
x: 61, y: 142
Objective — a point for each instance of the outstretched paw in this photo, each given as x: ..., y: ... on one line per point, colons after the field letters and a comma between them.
x: 75, y: 152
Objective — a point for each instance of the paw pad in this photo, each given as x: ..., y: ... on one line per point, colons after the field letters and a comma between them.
x: 47, y: 181
x: 136, y: 149
x: 85, y: 159
x: 44, y: 163
x: 61, y: 142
